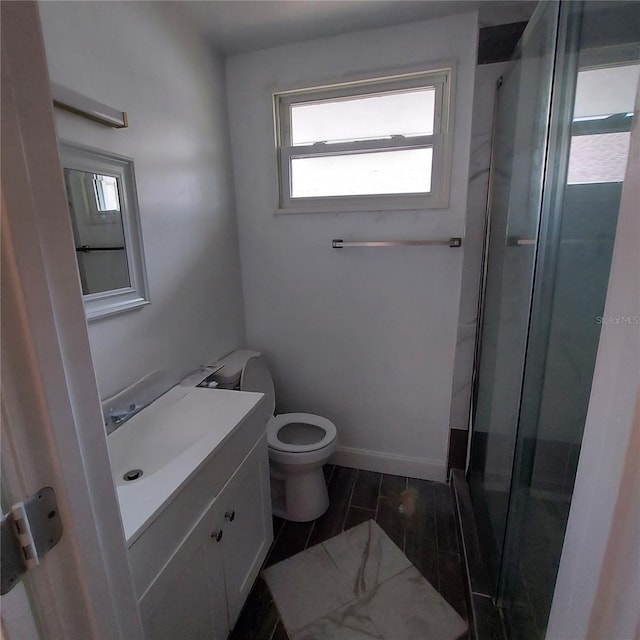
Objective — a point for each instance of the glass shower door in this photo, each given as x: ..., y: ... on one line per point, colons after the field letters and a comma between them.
x: 563, y: 117
x: 595, y: 83
x: 519, y: 155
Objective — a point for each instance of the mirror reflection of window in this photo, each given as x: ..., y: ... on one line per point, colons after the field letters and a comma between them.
x: 602, y: 124
x: 94, y: 202
x: 106, y: 192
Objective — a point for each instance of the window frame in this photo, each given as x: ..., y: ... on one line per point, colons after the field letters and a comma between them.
x: 441, y: 79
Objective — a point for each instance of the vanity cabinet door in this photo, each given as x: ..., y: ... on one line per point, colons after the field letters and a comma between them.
x: 248, y: 529
x: 187, y: 600
x: 200, y: 591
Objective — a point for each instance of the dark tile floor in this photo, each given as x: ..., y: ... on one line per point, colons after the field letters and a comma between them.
x: 428, y: 536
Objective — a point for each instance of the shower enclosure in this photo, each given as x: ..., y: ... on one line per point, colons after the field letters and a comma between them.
x: 561, y: 133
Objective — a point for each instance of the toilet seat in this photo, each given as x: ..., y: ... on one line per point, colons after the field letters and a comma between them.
x: 256, y: 377
x: 277, y: 423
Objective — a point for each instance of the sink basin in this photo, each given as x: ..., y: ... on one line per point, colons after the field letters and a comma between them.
x: 156, y: 436
x: 169, y: 441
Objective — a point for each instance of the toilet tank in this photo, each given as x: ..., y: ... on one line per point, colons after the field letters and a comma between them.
x: 228, y: 377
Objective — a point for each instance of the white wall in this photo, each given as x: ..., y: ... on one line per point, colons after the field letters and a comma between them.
x: 139, y: 57
x: 364, y: 337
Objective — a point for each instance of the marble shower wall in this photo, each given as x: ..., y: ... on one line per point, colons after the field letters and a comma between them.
x: 484, y: 94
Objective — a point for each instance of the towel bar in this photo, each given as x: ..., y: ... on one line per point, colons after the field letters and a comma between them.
x: 450, y: 242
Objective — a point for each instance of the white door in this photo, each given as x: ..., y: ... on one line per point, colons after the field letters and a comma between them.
x: 52, y: 432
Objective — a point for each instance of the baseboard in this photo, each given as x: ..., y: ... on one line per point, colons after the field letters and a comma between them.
x: 390, y: 463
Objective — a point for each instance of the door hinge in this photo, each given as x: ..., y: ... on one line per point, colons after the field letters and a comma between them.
x: 28, y: 531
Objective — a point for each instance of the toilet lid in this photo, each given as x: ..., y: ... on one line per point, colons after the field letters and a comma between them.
x: 299, y: 432
x: 256, y: 377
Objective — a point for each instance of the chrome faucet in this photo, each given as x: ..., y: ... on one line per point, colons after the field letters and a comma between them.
x: 117, y: 418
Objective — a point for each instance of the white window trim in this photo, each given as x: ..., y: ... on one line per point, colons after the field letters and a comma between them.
x: 441, y: 79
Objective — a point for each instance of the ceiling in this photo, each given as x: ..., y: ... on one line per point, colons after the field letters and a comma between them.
x: 236, y: 26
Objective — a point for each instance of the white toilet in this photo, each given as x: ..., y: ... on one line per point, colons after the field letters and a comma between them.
x: 299, y: 443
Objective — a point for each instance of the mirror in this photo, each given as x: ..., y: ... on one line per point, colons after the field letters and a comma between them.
x: 106, y: 229
x: 94, y: 204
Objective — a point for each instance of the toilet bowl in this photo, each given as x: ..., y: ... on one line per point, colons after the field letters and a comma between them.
x: 299, y: 443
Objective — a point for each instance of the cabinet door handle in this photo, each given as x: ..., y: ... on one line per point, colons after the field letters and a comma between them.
x: 230, y: 515
x: 217, y: 535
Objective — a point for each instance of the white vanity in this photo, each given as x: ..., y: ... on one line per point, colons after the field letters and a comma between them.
x: 198, y: 520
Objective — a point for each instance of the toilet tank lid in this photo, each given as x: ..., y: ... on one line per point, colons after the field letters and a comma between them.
x: 232, y: 365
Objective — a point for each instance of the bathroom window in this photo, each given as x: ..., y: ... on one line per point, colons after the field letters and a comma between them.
x: 369, y: 145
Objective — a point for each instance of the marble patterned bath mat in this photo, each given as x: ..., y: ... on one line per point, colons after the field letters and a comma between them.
x: 358, y: 586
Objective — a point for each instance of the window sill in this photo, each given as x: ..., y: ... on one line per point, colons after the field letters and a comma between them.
x: 103, y: 308
x: 371, y: 205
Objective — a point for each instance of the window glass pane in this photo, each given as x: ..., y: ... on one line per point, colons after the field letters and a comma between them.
x: 409, y: 113
x: 598, y: 158
x: 397, y: 171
